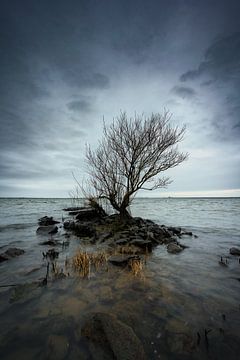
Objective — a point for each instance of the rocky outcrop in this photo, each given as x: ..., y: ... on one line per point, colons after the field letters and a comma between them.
x: 109, y: 338
x: 234, y: 251
x: 11, y: 253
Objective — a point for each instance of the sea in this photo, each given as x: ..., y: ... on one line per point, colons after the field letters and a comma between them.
x: 186, y: 306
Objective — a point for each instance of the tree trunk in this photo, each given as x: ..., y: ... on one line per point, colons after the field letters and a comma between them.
x: 124, y: 215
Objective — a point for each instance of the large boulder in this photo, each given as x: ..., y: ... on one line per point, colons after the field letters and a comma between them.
x: 11, y: 253
x: 110, y: 338
x: 234, y: 251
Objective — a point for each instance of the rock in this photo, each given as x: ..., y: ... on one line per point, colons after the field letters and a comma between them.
x: 175, y: 230
x: 143, y: 244
x: 69, y: 224
x: 49, y: 242
x: 174, y: 248
x: 87, y: 214
x: 11, y: 253
x: 46, y: 220
x: 49, y: 229
x: 57, y: 347
x: 3, y: 257
x: 121, y: 242
x: 189, y: 233
x: 103, y: 237
x: 112, y: 338
x: 84, y: 230
x: 121, y: 260
x: 234, y: 251
x: 74, y: 208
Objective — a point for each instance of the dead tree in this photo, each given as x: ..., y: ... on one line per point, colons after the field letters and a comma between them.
x: 131, y: 155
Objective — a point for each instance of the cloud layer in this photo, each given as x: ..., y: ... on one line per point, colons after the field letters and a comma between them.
x: 66, y: 65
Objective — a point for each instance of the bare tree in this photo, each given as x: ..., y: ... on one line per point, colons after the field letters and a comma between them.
x: 131, y: 155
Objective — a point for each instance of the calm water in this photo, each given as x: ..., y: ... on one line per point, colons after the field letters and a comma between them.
x: 180, y: 296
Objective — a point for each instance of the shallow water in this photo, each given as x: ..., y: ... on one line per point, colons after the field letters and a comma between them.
x: 179, y: 296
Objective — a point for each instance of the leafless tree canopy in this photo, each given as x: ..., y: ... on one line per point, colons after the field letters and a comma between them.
x: 132, y: 155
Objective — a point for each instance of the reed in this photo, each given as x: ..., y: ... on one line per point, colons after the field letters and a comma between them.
x: 83, y: 262
x: 136, y: 267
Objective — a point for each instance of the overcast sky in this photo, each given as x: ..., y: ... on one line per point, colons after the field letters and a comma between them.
x: 66, y: 64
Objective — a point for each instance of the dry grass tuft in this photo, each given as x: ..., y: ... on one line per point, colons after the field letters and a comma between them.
x: 83, y: 262
x: 128, y: 249
x: 136, y: 267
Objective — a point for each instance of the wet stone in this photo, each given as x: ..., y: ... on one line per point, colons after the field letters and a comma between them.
x: 57, y: 347
x: 174, y: 248
x: 45, y: 230
x: 234, y: 251
x: 11, y: 253
x: 112, y: 338
x: 121, y: 260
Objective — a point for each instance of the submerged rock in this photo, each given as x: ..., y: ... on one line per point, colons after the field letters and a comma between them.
x: 48, y: 229
x: 234, y: 251
x: 50, y: 242
x: 46, y: 220
x: 11, y: 253
x: 174, y: 248
x: 57, y: 347
x: 121, y: 260
x: 111, y: 338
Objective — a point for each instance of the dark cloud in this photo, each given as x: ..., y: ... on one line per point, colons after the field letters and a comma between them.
x: 64, y: 64
x: 221, y: 61
x: 79, y: 105
x: 184, y: 92
x: 221, y: 71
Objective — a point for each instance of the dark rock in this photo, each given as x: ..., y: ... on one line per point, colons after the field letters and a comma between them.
x: 11, y: 253
x: 84, y: 230
x: 234, y: 251
x: 189, y: 233
x: 87, y: 214
x: 121, y: 260
x: 3, y: 257
x: 46, y: 220
x: 143, y: 244
x: 112, y: 338
x: 74, y: 208
x: 174, y: 248
x: 103, y: 237
x: 121, y: 242
x: 49, y: 242
x: 49, y: 229
x: 175, y: 230
x: 69, y: 224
